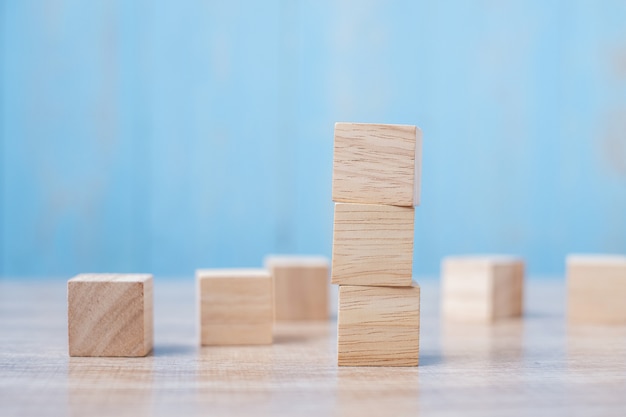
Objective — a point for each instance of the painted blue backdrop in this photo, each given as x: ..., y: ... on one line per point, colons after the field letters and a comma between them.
x: 165, y: 136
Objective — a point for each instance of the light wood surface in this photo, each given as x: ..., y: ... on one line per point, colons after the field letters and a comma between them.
x: 235, y: 306
x: 110, y: 314
x: 378, y: 326
x: 301, y: 287
x: 482, y: 288
x: 538, y: 366
x: 596, y: 287
x: 372, y: 245
x: 377, y: 164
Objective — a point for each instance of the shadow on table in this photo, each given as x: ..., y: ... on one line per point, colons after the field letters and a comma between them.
x: 430, y: 359
x: 173, y: 349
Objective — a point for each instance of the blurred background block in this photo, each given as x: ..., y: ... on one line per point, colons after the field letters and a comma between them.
x: 164, y: 136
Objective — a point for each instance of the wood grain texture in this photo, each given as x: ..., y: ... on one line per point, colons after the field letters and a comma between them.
x: 482, y: 288
x: 301, y: 287
x: 377, y: 164
x: 378, y: 326
x: 540, y: 365
x: 235, y: 306
x: 596, y: 289
x: 372, y: 245
x: 110, y: 315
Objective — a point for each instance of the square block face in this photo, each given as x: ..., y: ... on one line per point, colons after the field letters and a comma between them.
x: 482, y: 288
x: 301, y: 287
x: 373, y: 245
x: 377, y: 164
x: 236, y: 306
x: 378, y: 326
x: 596, y: 289
x: 110, y: 314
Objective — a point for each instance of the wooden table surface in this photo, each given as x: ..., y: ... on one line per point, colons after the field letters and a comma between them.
x: 535, y: 366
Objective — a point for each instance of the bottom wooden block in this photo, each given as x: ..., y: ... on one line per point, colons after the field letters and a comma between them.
x: 596, y: 289
x: 378, y: 326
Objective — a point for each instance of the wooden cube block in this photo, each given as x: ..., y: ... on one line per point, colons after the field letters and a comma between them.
x: 596, y: 289
x: 110, y: 314
x: 378, y: 326
x: 482, y: 288
x: 373, y: 245
x: 236, y: 306
x: 301, y: 286
x: 377, y: 164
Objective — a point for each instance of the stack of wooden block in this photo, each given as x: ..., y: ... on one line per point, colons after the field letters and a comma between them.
x: 376, y: 185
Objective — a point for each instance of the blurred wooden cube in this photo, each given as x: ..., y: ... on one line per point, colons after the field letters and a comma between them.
x: 110, y: 314
x: 301, y: 287
x: 377, y: 164
x: 235, y: 306
x: 373, y: 245
x: 378, y: 326
x: 482, y: 288
x: 596, y: 289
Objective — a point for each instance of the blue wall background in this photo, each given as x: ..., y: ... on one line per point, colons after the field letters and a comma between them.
x: 165, y: 136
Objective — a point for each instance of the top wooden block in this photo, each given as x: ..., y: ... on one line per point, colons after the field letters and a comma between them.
x: 377, y: 164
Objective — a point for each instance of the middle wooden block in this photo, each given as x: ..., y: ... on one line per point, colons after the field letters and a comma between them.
x: 373, y: 245
x: 236, y: 306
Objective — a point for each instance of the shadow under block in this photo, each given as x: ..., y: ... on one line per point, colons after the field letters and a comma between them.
x: 482, y: 288
x: 378, y: 326
x: 235, y: 306
x: 377, y: 164
x: 301, y: 287
x: 596, y: 289
x: 110, y: 314
x: 373, y: 245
